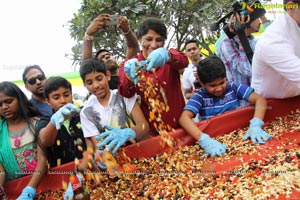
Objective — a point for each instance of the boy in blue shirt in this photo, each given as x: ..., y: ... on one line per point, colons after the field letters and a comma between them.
x: 217, y: 96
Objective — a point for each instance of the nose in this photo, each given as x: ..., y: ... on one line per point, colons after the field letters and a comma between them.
x: 38, y: 81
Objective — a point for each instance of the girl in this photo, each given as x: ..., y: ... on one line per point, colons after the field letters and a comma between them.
x: 20, y: 149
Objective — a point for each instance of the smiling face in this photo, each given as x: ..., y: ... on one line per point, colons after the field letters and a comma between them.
x: 97, y: 84
x: 9, y: 108
x: 59, y: 98
x: 151, y: 41
x: 215, y: 87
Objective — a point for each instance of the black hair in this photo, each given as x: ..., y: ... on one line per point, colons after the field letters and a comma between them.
x: 191, y: 41
x: 26, y: 110
x: 28, y: 68
x: 285, y: 4
x: 54, y: 83
x: 91, y: 65
x: 100, y: 51
x: 154, y: 24
x: 211, y: 68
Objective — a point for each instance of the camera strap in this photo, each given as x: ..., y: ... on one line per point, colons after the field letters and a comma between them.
x: 246, y: 45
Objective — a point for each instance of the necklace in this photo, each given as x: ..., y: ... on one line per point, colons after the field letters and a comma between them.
x: 18, y: 136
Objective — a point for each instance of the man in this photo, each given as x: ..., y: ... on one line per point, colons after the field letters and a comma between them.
x: 276, y: 61
x: 100, y: 23
x: 232, y: 53
x: 192, y: 51
x: 34, y: 79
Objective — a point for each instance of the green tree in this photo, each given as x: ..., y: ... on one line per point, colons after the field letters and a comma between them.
x: 184, y: 19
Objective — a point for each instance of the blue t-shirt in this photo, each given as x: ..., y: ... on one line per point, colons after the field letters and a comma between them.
x: 208, y: 105
x: 44, y: 108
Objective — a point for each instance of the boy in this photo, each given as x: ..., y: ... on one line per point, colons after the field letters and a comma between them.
x: 107, y: 107
x: 216, y: 97
x: 63, y: 135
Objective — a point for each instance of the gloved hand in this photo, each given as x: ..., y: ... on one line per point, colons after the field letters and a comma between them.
x: 211, y: 147
x: 58, y: 118
x: 115, y: 137
x: 157, y: 58
x: 27, y: 193
x: 69, y: 194
x: 130, y: 68
x: 255, y: 132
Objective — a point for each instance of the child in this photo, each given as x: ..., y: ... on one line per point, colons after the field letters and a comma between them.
x: 63, y: 135
x: 216, y: 97
x: 107, y: 107
x: 21, y: 152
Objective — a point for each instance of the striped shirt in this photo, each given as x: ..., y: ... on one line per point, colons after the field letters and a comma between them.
x: 208, y: 105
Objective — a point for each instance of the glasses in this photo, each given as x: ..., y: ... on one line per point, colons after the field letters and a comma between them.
x: 32, y: 80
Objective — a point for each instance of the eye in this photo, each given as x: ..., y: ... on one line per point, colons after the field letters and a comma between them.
x: 88, y: 82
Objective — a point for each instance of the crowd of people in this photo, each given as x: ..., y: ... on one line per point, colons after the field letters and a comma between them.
x: 49, y: 130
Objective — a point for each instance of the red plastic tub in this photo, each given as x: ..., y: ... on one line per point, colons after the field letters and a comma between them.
x: 215, y: 126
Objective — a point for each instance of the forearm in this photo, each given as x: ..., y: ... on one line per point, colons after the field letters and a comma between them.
x: 141, y: 131
x: 189, y: 126
x: 48, y: 135
x: 87, y: 49
x: 40, y: 170
x: 132, y: 44
x: 178, y: 59
x: 260, y: 108
x: 2, y: 175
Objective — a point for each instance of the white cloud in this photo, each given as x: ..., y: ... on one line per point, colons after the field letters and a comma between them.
x: 32, y: 32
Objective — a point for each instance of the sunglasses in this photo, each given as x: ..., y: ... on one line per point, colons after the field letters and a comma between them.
x: 32, y: 80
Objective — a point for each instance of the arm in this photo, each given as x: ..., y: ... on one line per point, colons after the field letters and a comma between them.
x: 130, y: 38
x: 141, y: 126
x: 48, y: 135
x: 186, y: 121
x: 41, y: 169
x: 126, y: 87
x: 97, y: 24
x: 188, y: 93
x: 260, y: 105
x: 177, y: 59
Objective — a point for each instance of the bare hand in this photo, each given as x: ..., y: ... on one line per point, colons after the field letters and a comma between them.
x: 98, y: 24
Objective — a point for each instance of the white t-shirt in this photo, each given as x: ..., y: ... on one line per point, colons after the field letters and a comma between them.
x: 94, y: 116
x: 276, y: 60
x: 188, y: 77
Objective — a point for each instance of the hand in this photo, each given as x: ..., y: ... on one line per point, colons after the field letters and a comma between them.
x: 124, y: 24
x: 97, y: 24
x: 27, y: 193
x: 255, y: 132
x: 69, y: 194
x: 212, y: 147
x: 157, y: 58
x: 58, y: 118
x: 131, y: 68
x: 115, y: 137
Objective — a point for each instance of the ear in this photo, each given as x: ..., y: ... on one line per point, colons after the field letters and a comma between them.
x: 26, y: 86
x: 108, y: 75
x: 201, y: 83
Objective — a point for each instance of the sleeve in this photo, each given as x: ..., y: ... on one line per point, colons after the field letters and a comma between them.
x: 88, y: 128
x: 185, y: 79
x: 179, y: 59
x: 126, y: 87
x: 195, y: 103
x: 234, y: 56
x: 42, y: 123
x: 283, y: 61
x: 242, y: 90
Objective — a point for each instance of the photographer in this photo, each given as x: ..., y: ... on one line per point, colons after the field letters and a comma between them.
x: 276, y: 61
x: 232, y: 52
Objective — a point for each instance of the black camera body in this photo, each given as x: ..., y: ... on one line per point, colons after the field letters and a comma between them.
x: 254, y: 8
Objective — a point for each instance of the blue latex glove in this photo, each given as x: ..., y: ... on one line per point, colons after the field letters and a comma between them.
x: 115, y: 137
x: 255, y: 132
x: 157, y: 58
x: 58, y: 118
x: 211, y: 146
x: 27, y: 193
x: 69, y: 194
x: 131, y: 66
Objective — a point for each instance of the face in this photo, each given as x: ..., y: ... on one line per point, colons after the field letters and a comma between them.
x: 215, y: 87
x: 35, y: 81
x: 8, y: 106
x: 59, y: 98
x: 109, y: 60
x: 97, y: 84
x: 150, y: 42
x: 295, y: 14
x: 193, y: 52
x: 254, y: 26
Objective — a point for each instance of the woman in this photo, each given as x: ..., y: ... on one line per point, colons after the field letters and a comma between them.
x: 162, y: 71
x: 20, y: 152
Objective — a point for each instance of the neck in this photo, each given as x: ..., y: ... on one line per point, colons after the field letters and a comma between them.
x: 115, y: 72
x: 39, y: 98
x: 196, y: 61
x: 104, y: 101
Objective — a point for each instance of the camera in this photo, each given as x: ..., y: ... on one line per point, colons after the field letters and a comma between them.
x: 114, y: 20
x: 253, y: 8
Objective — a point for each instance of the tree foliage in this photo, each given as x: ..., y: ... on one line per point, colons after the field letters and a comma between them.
x: 184, y: 19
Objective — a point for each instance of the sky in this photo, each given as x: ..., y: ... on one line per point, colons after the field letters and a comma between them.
x: 35, y: 32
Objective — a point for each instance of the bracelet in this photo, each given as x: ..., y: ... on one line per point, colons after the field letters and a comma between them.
x: 126, y: 33
x: 88, y: 37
